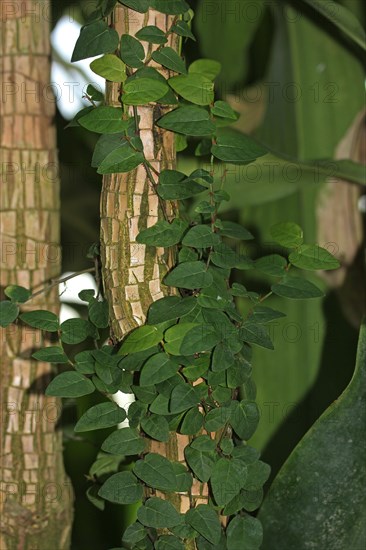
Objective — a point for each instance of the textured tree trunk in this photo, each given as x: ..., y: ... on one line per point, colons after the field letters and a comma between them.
x: 36, y: 496
x: 132, y: 272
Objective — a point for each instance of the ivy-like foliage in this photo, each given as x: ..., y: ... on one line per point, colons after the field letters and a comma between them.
x: 189, y: 366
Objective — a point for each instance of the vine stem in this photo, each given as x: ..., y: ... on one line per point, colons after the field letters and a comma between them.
x: 55, y: 282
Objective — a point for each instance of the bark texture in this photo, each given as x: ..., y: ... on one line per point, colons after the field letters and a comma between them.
x: 36, y: 496
x: 133, y: 272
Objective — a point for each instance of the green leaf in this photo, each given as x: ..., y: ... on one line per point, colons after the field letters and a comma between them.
x: 273, y: 264
x: 132, y: 51
x: 224, y: 256
x: 95, y: 39
x: 156, y: 471
x: 183, y: 29
x: 156, y: 427
x: 157, y: 369
x: 113, y: 153
x: 174, y: 336
x: 170, y: 59
x: 258, y: 473
x: 168, y: 542
x: 206, y: 67
x: 222, y: 357
x: 287, y: 234
x: 152, y: 34
x: 171, y: 7
x: 313, y: 257
x: 8, y: 312
x: 201, y: 236
x: 226, y: 481
x: 163, y: 233
x: 217, y: 418
x: 17, y: 293
x: 94, y: 94
x: 194, y: 88
x: 74, y: 331
x: 138, y: 5
x: 189, y: 275
x: 103, y: 415
x: 99, y: 313
x: 256, y: 334
x: 235, y: 231
x: 237, y: 149
x: 263, y: 315
x: 140, y: 91
x: 70, y: 384
x: 40, y: 318
x: 200, y: 462
x: 170, y: 308
x: 125, y: 441
x: 342, y: 18
x: 87, y: 294
x: 109, y: 67
x: 244, y: 528
x: 223, y: 109
x: 134, y: 533
x: 122, y: 488
x: 296, y: 288
x: 322, y: 482
x: 140, y: 339
x: 244, y: 418
x: 51, y: 354
x: 84, y: 362
x: 205, y: 521
x: 175, y: 185
x: 190, y: 121
x: 104, y: 120
x: 183, y: 397
x: 199, y: 340
x: 158, y: 513
x: 192, y: 422
x: 94, y: 498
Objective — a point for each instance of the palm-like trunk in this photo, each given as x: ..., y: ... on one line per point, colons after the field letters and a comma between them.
x: 132, y: 272
x: 36, y: 496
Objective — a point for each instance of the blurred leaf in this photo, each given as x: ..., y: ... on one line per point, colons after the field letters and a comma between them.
x: 318, y: 498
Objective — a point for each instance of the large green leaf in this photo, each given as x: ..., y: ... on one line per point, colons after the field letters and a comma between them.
x: 205, y: 521
x: 95, y: 39
x: 156, y: 471
x: 341, y: 17
x: 190, y: 120
x: 158, y: 513
x: 189, y: 275
x: 122, y: 488
x: 194, y: 88
x: 104, y: 120
x: 318, y: 499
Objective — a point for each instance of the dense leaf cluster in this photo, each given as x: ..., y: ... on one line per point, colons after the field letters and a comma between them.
x: 189, y: 366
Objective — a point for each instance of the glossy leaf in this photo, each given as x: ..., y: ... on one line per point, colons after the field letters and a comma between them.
x: 170, y: 59
x: 125, y: 441
x: 140, y: 91
x: 109, y: 67
x: 313, y: 257
x: 195, y: 88
x: 158, y: 368
x: 104, y: 120
x: 170, y: 308
x: 122, y: 488
x: 189, y: 275
x: 42, y: 319
x: 51, y: 354
x: 140, y: 339
x: 103, y: 415
x: 190, y: 120
x: 152, y: 34
x: 210, y: 68
x: 132, y: 51
x: 296, y: 288
x: 113, y: 153
x: 237, y: 149
x: 183, y: 29
x: 156, y: 471
x: 17, y: 293
x: 163, y: 233
x: 205, y: 521
x: 8, y: 312
x: 223, y: 109
x: 70, y: 384
x: 158, y: 513
x: 95, y: 39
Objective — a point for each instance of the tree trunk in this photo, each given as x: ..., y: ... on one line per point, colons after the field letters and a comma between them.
x: 36, y: 496
x: 132, y: 272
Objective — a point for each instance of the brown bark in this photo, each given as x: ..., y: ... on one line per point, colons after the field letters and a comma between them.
x: 36, y: 496
x: 132, y: 272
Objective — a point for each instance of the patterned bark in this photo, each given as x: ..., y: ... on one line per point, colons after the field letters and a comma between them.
x: 133, y: 272
x: 36, y: 496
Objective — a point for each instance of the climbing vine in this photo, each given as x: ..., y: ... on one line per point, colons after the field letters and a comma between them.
x: 188, y: 364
